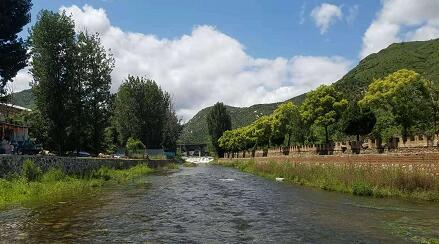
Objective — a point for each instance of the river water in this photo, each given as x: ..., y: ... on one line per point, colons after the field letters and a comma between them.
x: 212, y: 204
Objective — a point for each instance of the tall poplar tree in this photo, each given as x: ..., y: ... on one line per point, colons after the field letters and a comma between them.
x: 94, y: 67
x: 53, y: 49
x: 218, y: 121
x: 141, y: 111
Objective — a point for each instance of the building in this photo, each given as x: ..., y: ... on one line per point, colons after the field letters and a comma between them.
x: 11, y: 134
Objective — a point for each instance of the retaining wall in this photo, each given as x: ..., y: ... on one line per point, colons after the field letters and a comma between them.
x: 10, y: 164
x: 422, y: 162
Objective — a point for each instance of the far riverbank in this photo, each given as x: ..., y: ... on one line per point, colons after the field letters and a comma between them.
x: 364, y: 179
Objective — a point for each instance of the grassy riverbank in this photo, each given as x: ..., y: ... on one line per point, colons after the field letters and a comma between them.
x: 33, y: 186
x: 348, y: 179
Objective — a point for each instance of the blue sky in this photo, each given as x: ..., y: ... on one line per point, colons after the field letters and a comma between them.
x: 242, y: 52
x: 267, y: 28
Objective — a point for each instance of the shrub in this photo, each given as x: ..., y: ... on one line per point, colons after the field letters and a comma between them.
x: 31, y: 172
x: 362, y: 189
x: 134, y: 145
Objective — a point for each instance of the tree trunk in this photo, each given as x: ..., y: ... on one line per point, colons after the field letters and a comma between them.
x: 326, y: 134
x: 289, y: 140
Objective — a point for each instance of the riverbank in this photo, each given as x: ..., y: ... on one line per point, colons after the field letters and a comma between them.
x: 363, y: 181
x: 34, y: 186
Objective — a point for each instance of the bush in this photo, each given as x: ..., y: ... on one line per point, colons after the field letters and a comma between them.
x: 31, y: 172
x: 134, y: 145
x: 362, y: 189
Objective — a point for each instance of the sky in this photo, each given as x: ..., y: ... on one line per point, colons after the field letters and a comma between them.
x: 241, y: 52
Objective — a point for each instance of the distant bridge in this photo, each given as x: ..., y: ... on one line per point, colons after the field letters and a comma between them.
x: 193, y: 149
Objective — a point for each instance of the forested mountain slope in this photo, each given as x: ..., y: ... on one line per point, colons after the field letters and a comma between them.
x: 420, y: 56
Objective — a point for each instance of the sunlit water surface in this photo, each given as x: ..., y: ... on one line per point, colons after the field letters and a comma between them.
x: 211, y: 204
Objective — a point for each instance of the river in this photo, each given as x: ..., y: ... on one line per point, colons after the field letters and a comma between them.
x: 212, y: 204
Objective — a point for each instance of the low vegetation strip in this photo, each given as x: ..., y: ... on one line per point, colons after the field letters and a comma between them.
x: 34, y: 186
x: 364, y: 181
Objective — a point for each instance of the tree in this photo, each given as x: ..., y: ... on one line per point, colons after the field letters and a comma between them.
x: 323, y: 107
x: 14, y: 15
x: 358, y: 121
x: 433, y: 102
x: 286, y: 120
x: 400, y: 94
x: 94, y: 67
x: 141, y: 111
x: 172, y: 129
x: 53, y: 49
x: 133, y: 146
x: 218, y: 121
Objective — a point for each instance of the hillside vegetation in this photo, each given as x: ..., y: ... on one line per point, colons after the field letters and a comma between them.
x: 195, y: 130
x: 23, y: 98
x: 420, y: 56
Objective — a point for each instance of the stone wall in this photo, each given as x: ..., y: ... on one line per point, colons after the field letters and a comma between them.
x: 421, y: 162
x: 10, y: 164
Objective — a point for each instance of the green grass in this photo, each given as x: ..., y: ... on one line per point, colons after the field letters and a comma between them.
x: 54, y: 185
x: 349, y: 179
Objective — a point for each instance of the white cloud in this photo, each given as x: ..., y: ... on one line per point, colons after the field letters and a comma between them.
x: 21, y: 81
x: 326, y: 15
x: 353, y: 14
x: 402, y: 20
x: 205, y: 66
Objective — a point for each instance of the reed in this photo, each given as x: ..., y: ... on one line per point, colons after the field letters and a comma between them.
x: 365, y: 181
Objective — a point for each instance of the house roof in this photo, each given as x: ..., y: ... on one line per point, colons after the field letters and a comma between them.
x: 15, y: 106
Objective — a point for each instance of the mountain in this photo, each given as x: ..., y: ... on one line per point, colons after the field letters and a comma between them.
x: 195, y: 130
x: 23, y: 98
x: 420, y: 56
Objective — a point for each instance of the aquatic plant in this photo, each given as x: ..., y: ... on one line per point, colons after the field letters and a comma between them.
x: 54, y: 185
x: 31, y: 172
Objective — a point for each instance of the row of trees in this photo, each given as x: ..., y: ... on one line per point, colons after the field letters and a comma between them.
x: 401, y: 104
x: 74, y: 107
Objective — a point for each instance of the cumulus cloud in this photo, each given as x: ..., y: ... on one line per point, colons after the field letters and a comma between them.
x: 402, y: 20
x: 326, y: 15
x: 21, y: 81
x: 204, y: 66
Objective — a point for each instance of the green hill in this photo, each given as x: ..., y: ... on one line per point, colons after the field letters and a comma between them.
x: 195, y: 130
x: 24, y: 98
x: 421, y: 56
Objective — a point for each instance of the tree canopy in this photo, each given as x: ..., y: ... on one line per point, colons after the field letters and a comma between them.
x: 400, y: 95
x: 143, y: 110
x: 53, y: 46
x: 323, y: 106
x: 218, y: 121
x: 14, y: 15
